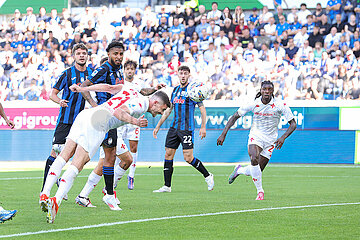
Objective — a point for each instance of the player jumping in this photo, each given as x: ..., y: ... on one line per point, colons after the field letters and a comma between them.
x: 263, y: 134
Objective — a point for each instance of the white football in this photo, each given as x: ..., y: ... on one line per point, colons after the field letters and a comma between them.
x: 198, y: 91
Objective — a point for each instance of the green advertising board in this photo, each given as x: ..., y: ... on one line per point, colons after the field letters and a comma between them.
x: 248, y: 4
x: 9, y: 6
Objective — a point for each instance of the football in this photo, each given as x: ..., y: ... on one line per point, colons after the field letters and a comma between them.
x: 198, y: 91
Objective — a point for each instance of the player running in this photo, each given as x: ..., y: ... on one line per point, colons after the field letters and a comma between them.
x: 88, y: 131
x: 263, y: 133
x: 128, y: 131
x: 182, y: 131
x: 71, y: 104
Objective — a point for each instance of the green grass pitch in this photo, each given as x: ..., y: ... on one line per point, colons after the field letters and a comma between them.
x: 284, y: 185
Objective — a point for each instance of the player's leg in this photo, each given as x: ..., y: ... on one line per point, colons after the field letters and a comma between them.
x: 109, y: 145
x: 255, y: 170
x: 125, y: 162
x: 263, y: 162
x: 134, y: 153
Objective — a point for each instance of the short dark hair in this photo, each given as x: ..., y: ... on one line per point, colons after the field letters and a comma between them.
x: 303, y: 4
x: 115, y: 44
x: 130, y: 63
x: 103, y: 60
x: 163, y: 97
x: 184, y: 68
x: 214, y: 3
x: 79, y: 46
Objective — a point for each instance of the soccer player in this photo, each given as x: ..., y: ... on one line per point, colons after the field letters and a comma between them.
x: 71, y: 104
x: 110, y: 73
x: 89, y: 130
x: 263, y: 134
x: 128, y: 131
x: 182, y: 131
x: 6, y: 215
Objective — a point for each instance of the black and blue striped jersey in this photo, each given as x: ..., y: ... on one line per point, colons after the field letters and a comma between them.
x: 106, y: 74
x: 184, y: 109
x: 76, y: 102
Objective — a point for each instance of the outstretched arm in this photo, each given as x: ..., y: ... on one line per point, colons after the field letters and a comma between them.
x: 86, y: 94
x: 123, y: 114
x: 102, y: 87
x: 229, y: 124
x: 149, y: 91
x: 162, y: 120
x: 280, y: 141
x: 2, y: 114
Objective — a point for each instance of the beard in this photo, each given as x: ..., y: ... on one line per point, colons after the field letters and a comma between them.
x: 81, y: 64
x: 114, y: 64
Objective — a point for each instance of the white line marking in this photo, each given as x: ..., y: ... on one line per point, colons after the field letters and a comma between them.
x: 173, y: 217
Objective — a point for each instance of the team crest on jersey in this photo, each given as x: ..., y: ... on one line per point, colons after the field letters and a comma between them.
x: 110, y: 140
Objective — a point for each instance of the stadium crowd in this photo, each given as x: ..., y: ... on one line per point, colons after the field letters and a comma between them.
x: 307, y: 55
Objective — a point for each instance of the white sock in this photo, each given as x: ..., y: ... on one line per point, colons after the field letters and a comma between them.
x: 256, y: 176
x: 92, y: 181
x: 133, y: 165
x: 244, y: 170
x: 66, y: 183
x: 118, y: 174
x: 53, y: 175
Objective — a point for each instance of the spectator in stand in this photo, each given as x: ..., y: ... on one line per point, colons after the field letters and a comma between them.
x: 213, y: 30
x: 225, y: 15
x: 189, y: 14
x: 280, y: 12
x: 221, y: 39
x: 168, y: 54
x: 149, y: 29
x: 254, y: 17
x: 163, y: 26
x: 318, y: 13
x: 190, y: 29
x: 303, y: 13
x: 282, y: 26
x: 331, y: 38
x: 251, y: 53
x: 20, y: 55
x: 29, y: 20
x: 137, y: 20
x: 347, y: 9
x: 42, y: 15
x: 324, y: 26
x: 351, y: 26
x: 270, y: 29
x: 254, y: 32
x: 177, y: 14
x: 16, y: 22
x: 54, y: 18
x: 29, y: 42
x: 262, y: 39
x: 246, y: 38
x: 201, y: 13
x: 238, y: 15
x: 295, y: 27
x: 214, y: 14
x: 309, y: 24
x: 127, y: 17
x: 315, y: 37
x: 333, y: 7
x: 338, y: 23
x: 291, y: 51
x: 291, y: 16
x: 143, y: 44
x: 76, y: 40
x: 264, y: 17
x: 203, y: 25
x: 51, y: 42
x: 162, y: 14
x: 228, y: 28
x: 177, y: 28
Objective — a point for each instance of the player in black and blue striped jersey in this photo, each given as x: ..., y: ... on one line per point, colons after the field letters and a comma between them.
x: 70, y: 103
x: 182, y: 130
x: 111, y: 73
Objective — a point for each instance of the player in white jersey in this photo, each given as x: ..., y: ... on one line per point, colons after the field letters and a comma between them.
x: 263, y: 134
x: 88, y: 131
x: 125, y: 158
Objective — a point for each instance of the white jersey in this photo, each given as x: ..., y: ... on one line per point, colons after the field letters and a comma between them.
x: 266, y: 117
x: 135, y: 84
x: 133, y: 100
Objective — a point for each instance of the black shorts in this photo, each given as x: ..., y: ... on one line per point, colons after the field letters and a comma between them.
x: 61, y: 132
x: 174, y: 137
x: 110, y: 140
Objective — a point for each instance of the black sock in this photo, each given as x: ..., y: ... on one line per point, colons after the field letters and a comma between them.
x: 196, y: 163
x: 108, y: 173
x: 48, y: 164
x: 168, y: 171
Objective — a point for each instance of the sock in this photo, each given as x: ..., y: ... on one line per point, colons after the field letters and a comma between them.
x: 244, y: 170
x: 48, y: 164
x: 108, y: 173
x: 133, y: 165
x: 66, y: 183
x: 119, y: 173
x: 168, y: 171
x: 92, y: 181
x: 196, y: 163
x: 53, y: 175
x: 256, y: 176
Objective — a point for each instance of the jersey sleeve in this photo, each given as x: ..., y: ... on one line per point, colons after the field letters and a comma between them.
x: 98, y: 76
x: 137, y: 106
x: 286, y: 111
x: 61, y: 82
x: 247, y: 107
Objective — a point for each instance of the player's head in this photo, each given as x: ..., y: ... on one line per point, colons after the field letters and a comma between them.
x: 103, y: 60
x: 80, y: 53
x: 129, y: 70
x: 159, y: 102
x: 184, y: 75
x: 266, y: 91
x: 115, y: 52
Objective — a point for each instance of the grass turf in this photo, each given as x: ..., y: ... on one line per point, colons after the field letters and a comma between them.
x: 284, y: 186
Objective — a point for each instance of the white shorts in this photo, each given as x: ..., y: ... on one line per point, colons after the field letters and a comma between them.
x: 266, y: 146
x: 120, y: 147
x: 85, y: 133
x: 129, y: 132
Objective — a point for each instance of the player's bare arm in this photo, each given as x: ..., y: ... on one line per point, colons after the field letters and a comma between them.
x: 229, y: 124
x: 86, y: 95
x: 102, y: 87
x: 3, y: 115
x: 149, y: 91
x: 123, y: 114
x: 280, y: 141
x: 162, y: 120
x: 54, y: 97
x: 202, y: 132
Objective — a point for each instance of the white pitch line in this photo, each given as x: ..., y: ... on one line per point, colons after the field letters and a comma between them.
x: 173, y: 217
